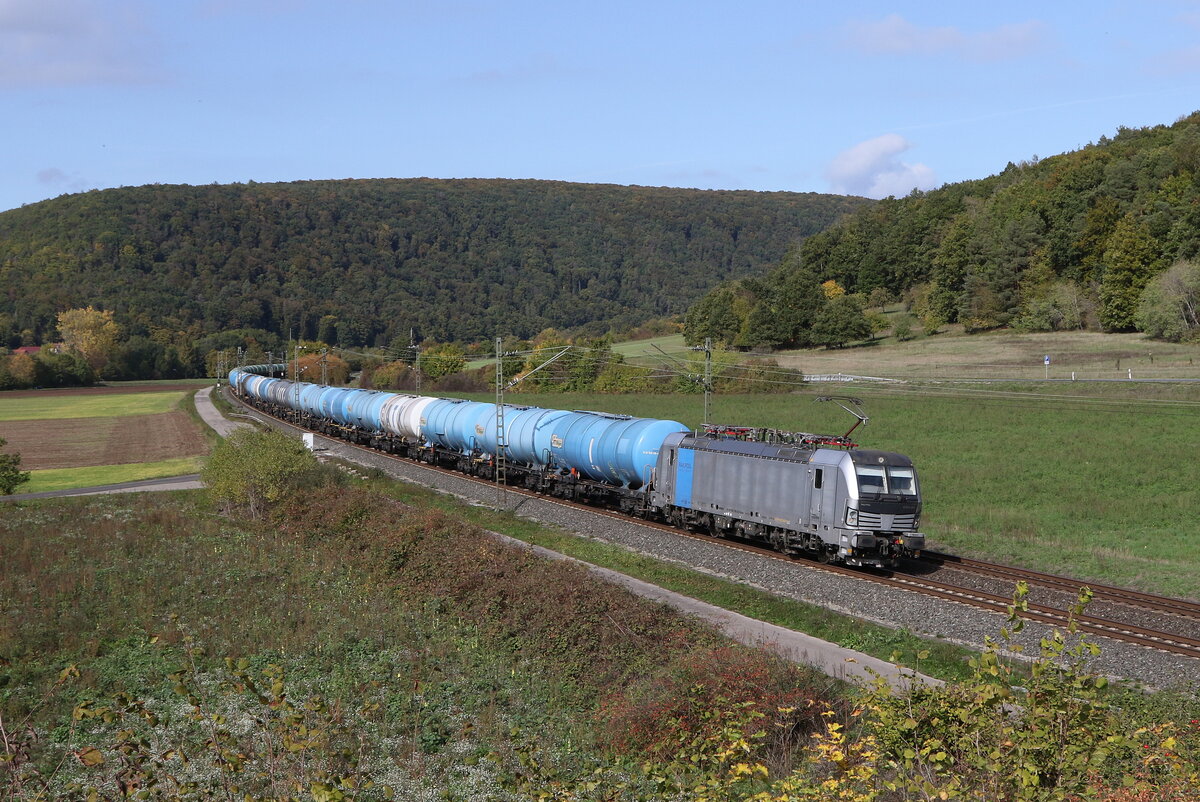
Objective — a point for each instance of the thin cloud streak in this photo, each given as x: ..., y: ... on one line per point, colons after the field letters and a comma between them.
x: 896, y: 36
x: 74, y: 43
x: 1033, y: 109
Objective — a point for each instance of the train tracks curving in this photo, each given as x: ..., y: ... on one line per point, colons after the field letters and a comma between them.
x: 1179, y: 638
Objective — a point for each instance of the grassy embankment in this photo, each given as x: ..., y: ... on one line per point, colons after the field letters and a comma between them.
x: 104, y: 409
x: 374, y: 642
x: 408, y: 649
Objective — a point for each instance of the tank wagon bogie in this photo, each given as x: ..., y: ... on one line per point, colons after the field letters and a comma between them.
x: 806, y: 494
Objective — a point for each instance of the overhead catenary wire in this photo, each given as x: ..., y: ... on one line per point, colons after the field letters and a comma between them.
x: 671, y: 366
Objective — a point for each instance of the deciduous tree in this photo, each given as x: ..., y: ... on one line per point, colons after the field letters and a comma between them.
x: 11, y: 474
x: 1169, y: 308
x: 90, y: 332
x: 840, y: 322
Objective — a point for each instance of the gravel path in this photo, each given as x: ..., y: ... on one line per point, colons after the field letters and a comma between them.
x: 893, y: 607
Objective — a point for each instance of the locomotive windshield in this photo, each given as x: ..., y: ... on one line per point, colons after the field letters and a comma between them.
x: 886, y: 479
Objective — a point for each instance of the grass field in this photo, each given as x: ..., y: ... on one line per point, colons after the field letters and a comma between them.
x: 64, y: 404
x: 95, y: 475
x: 1007, y: 355
x: 88, y: 437
x: 1098, y: 486
x: 953, y: 355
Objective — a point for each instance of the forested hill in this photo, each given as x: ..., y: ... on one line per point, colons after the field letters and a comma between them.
x: 1062, y: 242
x: 366, y: 260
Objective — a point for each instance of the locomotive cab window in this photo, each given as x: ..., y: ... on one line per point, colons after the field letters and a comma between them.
x: 890, y: 479
x: 902, y: 481
x: 871, y: 479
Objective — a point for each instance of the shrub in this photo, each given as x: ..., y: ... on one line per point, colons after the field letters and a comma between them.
x: 986, y: 739
x: 252, y: 470
x: 11, y: 474
x: 903, y: 328
x: 658, y: 715
x: 1169, y: 308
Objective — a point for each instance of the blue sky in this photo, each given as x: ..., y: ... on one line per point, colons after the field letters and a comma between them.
x: 860, y: 98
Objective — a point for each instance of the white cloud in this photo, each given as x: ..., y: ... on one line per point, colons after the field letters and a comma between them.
x: 894, y: 35
x: 872, y: 169
x: 56, y: 179
x: 73, y: 42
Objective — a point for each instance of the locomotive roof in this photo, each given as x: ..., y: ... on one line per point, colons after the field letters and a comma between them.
x: 860, y: 456
x: 734, y: 446
x: 869, y: 456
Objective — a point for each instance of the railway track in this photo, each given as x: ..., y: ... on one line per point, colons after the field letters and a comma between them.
x: 1046, y: 614
x: 1108, y: 593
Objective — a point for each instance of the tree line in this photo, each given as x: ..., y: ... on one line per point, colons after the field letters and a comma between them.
x: 554, y: 363
x: 1104, y: 238
x: 88, y: 345
x: 359, y: 263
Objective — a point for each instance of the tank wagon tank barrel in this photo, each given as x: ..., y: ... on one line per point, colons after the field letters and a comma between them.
x: 800, y: 493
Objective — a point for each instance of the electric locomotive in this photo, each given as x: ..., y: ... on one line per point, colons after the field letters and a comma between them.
x: 807, y: 496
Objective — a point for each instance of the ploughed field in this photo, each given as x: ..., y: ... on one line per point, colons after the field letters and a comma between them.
x: 76, y: 438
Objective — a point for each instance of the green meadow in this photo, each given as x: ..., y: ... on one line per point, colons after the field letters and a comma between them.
x: 96, y: 475
x: 1096, y: 481
x: 74, y: 405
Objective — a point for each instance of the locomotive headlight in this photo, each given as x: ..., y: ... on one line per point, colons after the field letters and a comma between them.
x: 851, y: 516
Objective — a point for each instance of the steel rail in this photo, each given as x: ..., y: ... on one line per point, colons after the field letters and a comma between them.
x: 1109, y: 593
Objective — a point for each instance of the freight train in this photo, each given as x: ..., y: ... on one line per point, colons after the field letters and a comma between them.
x: 816, y: 495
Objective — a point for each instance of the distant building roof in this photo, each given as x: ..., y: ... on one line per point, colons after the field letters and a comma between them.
x: 27, y: 349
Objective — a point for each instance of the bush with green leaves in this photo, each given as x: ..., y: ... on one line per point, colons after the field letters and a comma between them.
x: 1051, y: 735
x: 1169, y: 308
x: 11, y: 474
x: 251, y: 470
